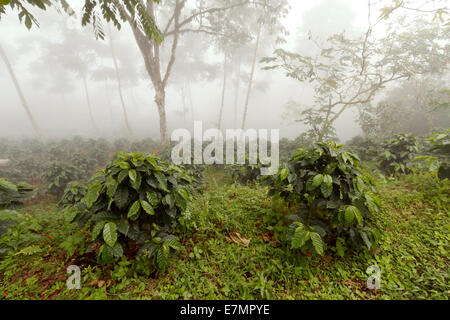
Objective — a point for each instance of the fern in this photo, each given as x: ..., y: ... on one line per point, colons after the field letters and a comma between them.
x: 29, y: 251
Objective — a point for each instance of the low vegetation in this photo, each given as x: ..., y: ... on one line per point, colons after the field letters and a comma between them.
x: 144, y: 231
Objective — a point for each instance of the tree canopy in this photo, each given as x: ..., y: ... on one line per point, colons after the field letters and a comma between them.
x: 94, y: 12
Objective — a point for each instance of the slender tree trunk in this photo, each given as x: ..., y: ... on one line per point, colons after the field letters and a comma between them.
x: 236, y: 96
x: 223, y: 90
x: 119, y: 83
x: 183, y: 99
x: 160, y: 99
x: 252, y: 73
x: 320, y: 136
x: 36, y: 129
x: 88, y: 100
x: 150, y: 50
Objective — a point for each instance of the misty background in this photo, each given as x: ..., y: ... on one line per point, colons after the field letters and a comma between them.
x: 50, y: 62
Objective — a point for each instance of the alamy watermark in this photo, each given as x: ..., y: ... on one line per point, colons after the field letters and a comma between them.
x: 74, y: 280
x: 236, y: 142
x: 373, y: 282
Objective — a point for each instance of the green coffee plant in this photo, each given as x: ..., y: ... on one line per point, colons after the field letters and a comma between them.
x: 144, y: 145
x: 288, y: 147
x: 12, y: 197
x: 57, y: 175
x: 74, y: 192
x: 137, y: 199
x: 83, y: 162
x: 196, y: 171
x: 398, y: 153
x: 98, y: 150
x: 367, y: 149
x: 333, y: 197
x: 59, y: 152
x: 29, y: 167
x: 437, y: 155
x: 246, y: 173
x: 122, y: 144
x: 440, y: 148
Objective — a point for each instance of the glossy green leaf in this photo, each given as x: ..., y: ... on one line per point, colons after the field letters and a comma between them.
x: 317, y: 243
x: 147, y: 207
x: 133, y: 213
x: 110, y: 234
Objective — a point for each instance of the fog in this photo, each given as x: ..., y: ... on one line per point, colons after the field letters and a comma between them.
x: 50, y: 62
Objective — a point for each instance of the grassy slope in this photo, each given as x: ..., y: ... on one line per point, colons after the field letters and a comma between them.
x: 413, y: 255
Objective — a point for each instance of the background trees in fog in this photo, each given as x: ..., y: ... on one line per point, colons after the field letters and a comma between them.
x: 203, y: 62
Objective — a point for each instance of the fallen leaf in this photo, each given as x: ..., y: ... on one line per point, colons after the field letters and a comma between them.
x: 303, y: 281
x: 238, y: 239
x: 93, y: 283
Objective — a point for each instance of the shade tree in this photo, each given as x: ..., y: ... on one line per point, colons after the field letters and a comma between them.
x: 350, y: 71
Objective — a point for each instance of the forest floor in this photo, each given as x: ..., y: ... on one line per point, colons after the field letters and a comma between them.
x: 233, y: 248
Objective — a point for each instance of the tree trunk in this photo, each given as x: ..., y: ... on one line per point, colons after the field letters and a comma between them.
x: 150, y: 50
x: 252, y: 73
x: 320, y: 135
x: 160, y: 99
x: 36, y: 129
x: 88, y: 100
x: 119, y: 83
x: 223, y: 90
x: 183, y: 101
x: 236, y: 97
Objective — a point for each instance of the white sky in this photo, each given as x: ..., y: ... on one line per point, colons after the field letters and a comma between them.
x: 265, y: 107
x: 299, y: 7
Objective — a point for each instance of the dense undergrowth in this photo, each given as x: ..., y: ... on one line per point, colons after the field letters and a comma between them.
x: 234, y: 247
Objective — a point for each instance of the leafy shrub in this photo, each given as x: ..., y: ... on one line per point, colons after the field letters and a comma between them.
x: 144, y: 145
x: 398, y: 153
x: 288, y: 147
x: 366, y: 149
x: 83, y: 162
x: 137, y: 200
x: 196, y: 171
x: 22, y: 169
x: 11, y: 198
x: 333, y: 197
x: 245, y: 173
x: 74, y: 192
x: 29, y: 167
x: 122, y: 144
x: 59, y: 152
x: 58, y: 175
x: 98, y: 150
x: 440, y: 147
